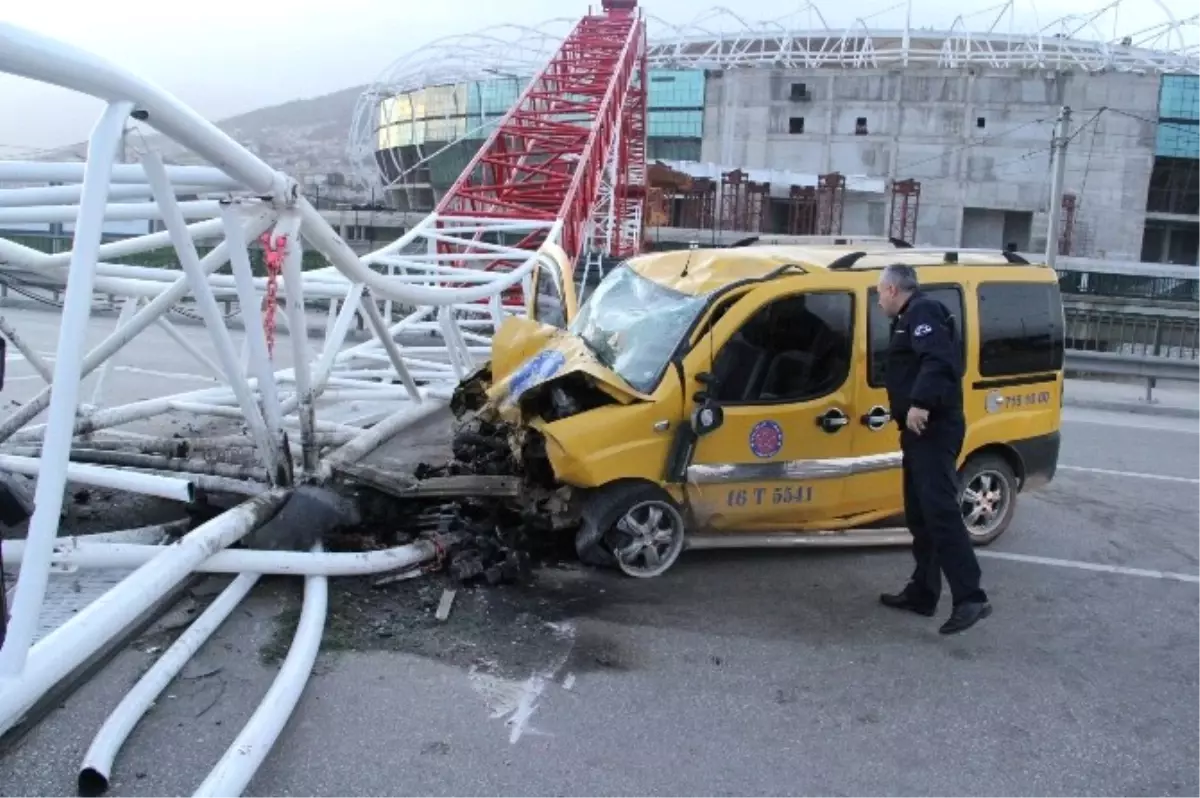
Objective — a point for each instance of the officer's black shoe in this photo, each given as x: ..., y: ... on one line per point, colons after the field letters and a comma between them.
x: 966, y: 615
x: 905, y: 600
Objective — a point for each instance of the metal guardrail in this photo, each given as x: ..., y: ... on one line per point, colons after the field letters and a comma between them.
x: 1166, y: 337
x: 1145, y: 366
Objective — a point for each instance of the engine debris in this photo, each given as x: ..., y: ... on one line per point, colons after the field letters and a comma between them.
x: 485, y: 514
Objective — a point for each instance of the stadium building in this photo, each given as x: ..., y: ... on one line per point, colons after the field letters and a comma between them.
x: 936, y: 137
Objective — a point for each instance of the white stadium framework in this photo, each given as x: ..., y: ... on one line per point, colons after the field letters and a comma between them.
x: 1097, y: 41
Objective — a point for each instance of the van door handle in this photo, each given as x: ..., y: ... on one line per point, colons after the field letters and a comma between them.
x: 876, y: 418
x: 832, y: 420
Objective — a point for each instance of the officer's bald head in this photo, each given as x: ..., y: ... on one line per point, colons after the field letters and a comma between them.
x: 896, y: 284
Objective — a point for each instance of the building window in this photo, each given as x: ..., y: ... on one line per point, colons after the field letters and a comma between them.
x: 799, y: 91
x: 879, y: 327
x: 1020, y: 328
x: 860, y: 126
x: 980, y: 122
x: 796, y: 125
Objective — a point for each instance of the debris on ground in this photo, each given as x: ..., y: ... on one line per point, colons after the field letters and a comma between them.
x: 489, y: 519
x: 444, y: 606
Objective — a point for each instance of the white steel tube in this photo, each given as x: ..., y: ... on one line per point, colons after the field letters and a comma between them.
x: 71, y: 194
x: 32, y: 55
x: 323, y: 237
x: 82, y: 552
x: 206, y: 303
x: 151, y: 241
x: 189, y: 347
x: 127, y: 310
x: 52, y: 482
x: 73, y: 172
x: 73, y: 643
x: 97, y: 763
x: 289, y: 225
x: 371, y: 439
x: 254, y: 339
x: 115, y: 211
x: 31, y: 357
x: 142, y: 319
x: 180, y: 490
x: 371, y: 311
x: 244, y: 756
x: 337, y: 336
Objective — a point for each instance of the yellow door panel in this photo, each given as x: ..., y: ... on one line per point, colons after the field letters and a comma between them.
x: 770, y: 468
x: 775, y: 464
x: 876, y: 491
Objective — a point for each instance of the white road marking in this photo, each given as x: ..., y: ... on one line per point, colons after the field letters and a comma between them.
x: 526, y: 705
x: 517, y: 701
x: 1130, y: 474
x: 1090, y: 566
x: 1108, y: 418
x: 170, y: 375
x: 569, y: 682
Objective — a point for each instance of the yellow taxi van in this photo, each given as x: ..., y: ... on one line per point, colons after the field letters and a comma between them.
x: 735, y: 397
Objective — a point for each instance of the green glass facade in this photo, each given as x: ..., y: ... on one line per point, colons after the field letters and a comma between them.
x: 1179, y: 117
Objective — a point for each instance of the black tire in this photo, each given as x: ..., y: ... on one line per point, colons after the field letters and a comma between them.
x: 602, y: 510
x: 1004, y: 479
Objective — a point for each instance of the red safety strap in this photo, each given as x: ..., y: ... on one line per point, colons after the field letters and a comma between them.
x: 273, y: 253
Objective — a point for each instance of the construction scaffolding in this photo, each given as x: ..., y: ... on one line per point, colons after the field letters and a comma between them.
x: 831, y: 203
x: 675, y: 199
x: 906, y: 205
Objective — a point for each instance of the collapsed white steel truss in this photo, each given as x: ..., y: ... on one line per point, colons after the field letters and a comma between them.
x: 430, y: 316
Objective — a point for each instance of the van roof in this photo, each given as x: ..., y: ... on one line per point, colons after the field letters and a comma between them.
x: 708, y: 270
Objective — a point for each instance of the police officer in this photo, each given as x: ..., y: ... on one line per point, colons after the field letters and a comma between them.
x: 924, y: 386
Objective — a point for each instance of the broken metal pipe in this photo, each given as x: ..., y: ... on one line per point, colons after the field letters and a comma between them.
x: 73, y: 643
x: 244, y: 756
x: 78, y: 552
x: 97, y: 763
x: 183, y: 490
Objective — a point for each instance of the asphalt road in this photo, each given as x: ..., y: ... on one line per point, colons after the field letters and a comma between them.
x: 734, y: 673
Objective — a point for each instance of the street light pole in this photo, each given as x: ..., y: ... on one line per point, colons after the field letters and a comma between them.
x: 1059, y: 157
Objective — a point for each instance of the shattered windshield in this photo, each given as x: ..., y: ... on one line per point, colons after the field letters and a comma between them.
x: 632, y: 325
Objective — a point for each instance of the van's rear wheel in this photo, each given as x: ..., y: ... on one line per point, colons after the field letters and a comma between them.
x: 988, y: 497
x: 635, y: 526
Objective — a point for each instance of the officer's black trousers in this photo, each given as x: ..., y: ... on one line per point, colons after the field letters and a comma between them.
x: 931, y: 509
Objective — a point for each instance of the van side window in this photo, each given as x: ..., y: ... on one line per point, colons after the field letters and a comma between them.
x: 548, y: 304
x: 879, y: 327
x: 1020, y: 328
x: 794, y: 349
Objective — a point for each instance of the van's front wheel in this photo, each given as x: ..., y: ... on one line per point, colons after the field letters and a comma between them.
x: 635, y: 526
x: 988, y: 497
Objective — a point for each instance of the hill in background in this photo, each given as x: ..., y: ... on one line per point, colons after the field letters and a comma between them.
x: 306, y: 138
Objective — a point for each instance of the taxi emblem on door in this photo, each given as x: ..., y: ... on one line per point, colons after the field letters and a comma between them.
x: 766, y: 439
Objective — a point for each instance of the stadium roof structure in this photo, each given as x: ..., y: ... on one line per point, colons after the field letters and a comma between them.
x: 721, y: 39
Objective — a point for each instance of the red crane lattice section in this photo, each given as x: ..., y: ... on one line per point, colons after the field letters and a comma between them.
x: 546, y: 159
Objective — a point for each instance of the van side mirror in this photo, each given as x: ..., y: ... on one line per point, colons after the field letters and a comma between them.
x: 708, y: 415
x: 707, y: 418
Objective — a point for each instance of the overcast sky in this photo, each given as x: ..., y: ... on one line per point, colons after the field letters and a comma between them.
x: 228, y: 56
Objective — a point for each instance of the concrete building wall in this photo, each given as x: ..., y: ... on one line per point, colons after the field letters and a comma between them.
x: 974, y: 138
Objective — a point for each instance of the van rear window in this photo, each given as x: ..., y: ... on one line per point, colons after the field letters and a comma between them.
x: 1020, y: 328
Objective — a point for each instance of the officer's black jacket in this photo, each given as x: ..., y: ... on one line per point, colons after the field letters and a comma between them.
x: 924, y: 361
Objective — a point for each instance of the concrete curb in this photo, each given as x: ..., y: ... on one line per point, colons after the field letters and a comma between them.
x: 1138, y: 408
